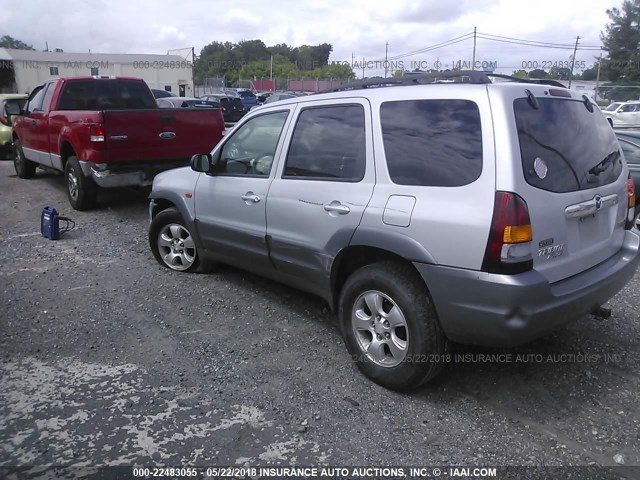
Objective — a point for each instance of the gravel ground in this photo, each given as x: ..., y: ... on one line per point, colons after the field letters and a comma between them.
x: 107, y: 358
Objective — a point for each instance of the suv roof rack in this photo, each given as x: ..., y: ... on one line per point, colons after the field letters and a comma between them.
x: 464, y: 76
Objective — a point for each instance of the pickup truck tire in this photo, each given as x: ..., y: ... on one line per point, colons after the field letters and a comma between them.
x: 81, y: 191
x: 390, y: 326
x: 24, y: 168
x: 173, y: 245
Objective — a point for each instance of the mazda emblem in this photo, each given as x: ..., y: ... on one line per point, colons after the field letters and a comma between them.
x: 598, y: 200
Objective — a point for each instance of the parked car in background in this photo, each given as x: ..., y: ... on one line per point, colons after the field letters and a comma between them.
x: 248, y: 98
x: 280, y: 96
x: 232, y: 107
x: 630, y: 143
x: 18, y: 100
x: 187, y: 102
x: 262, y: 96
x: 621, y: 114
x: 470, y: 212
x: 157, y: 93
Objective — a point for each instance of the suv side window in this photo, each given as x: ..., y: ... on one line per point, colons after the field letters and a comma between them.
x: 328, y: 143
x: 435, y: 143
x: 251, y: 148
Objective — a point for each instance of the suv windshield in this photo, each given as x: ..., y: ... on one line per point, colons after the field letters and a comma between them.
x: 565, y: 147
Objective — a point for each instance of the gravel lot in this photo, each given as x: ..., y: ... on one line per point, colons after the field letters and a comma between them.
x: 109, y: 359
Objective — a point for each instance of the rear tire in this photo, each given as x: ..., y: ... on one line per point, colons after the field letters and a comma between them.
x: 390, y: 326
x: 81, y: 191
x: 24, y: 168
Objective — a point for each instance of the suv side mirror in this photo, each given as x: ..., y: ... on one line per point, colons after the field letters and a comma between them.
x: 201, y: 162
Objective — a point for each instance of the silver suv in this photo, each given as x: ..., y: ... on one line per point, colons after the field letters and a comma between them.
x: 424, y: 211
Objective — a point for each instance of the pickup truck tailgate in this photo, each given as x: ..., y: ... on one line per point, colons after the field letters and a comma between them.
x: 162, y: 134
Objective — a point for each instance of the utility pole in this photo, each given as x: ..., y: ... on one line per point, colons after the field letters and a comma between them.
x: 573, y: 60
x: 473, y: 64
x: 598, y: 78
x: 386, y: 52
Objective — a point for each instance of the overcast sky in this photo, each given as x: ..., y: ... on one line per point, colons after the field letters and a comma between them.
x: 358, y: 27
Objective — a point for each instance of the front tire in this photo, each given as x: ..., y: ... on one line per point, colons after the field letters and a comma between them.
x: 81, y: 191
x: 391, y: 327
x: 24, y: 168
x: 173, y: 245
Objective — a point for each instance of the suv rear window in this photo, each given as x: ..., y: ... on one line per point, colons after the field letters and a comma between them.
x: 434, y: 143
x: 564, y: 147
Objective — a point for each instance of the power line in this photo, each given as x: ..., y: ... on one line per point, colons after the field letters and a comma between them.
x: 436, y: 46
x: 497, y: 38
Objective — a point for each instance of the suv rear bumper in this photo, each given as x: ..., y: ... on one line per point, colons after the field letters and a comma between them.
x: 507, y: 310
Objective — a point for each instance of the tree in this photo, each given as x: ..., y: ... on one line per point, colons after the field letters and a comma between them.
x: 590, y: 73
x: 621, y: 39
x: 538, y: 73
x: 560, y: 73
x: 9, y: 42
x: 519, y: 73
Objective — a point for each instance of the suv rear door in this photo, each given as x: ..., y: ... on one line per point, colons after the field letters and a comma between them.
x: 565, y: 162
x: 321, y: 188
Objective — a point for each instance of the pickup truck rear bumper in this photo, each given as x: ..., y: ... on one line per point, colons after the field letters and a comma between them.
x: 137, y: 175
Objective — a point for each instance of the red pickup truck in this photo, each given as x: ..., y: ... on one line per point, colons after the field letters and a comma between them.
x: 107, y: 132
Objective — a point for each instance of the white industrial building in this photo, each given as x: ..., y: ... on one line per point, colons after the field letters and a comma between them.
x: 171, y: 72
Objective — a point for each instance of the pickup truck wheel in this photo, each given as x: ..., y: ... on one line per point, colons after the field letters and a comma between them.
x: 24, y: 168
x: 81, y: 191
x: 172, y: 243
x: 390, y: 326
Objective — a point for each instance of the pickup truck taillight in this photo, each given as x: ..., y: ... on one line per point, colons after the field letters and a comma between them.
x: 96, y: 133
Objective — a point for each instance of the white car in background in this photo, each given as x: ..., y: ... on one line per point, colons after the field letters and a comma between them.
x: 623, y: 113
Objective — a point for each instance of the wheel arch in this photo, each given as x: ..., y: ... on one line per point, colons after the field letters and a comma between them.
x: 354, y: 257
x: 66, y: 151
x: 163, y: 200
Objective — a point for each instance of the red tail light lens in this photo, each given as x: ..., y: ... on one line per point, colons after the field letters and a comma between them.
x: 631, y: 202
x: 96, y: 133
x: 509, y: 245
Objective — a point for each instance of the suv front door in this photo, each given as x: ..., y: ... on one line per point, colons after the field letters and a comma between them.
x: 321, y: 190
x: 230, y: 204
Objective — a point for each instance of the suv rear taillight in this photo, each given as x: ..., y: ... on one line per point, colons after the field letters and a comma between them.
x: 509, y: 245
x: 631, y: 202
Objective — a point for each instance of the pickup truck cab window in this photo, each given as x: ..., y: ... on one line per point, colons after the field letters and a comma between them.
x: 37, y: 99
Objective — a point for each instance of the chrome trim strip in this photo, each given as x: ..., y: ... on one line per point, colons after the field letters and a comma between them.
x: 590, y: 207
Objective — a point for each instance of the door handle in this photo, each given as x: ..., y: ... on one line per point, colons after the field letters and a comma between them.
x: 33, y: 123
x: 250, y: 197
x: 336, y: 207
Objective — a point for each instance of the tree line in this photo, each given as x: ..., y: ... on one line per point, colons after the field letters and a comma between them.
x: 250, y: 59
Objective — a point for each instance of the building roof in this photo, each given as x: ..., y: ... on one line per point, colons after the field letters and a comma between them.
x: 65, y: 57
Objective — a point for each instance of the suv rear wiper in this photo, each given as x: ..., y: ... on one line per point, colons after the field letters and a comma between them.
x: 601, y: 166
